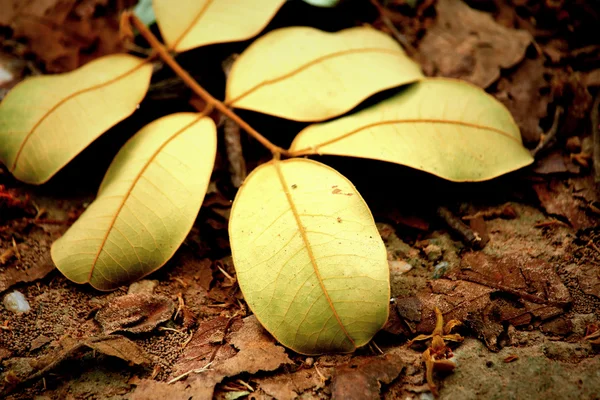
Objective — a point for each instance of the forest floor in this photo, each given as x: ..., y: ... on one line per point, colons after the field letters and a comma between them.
x: 516, y: 260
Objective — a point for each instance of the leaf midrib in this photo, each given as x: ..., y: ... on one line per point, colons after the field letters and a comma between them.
x: 130, y: 190
x: 191, y: 25
x: 307, y: 65
x: 308, y: 247
x: 63, y: 101
x: 314, y: 149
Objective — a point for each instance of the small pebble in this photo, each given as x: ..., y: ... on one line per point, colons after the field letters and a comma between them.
x: 16, y: 302
x: 399, y: 267
x: 143, y: 286
x: 440, y: 269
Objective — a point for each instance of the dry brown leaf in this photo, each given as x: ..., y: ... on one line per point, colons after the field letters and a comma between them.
x: 135, y: 313
x: 526, y: 93
x: 470, y: 45
x: 290, y: 386
x: 257, y: 351
x: 569, y: 200
x: 64, y: 34
x: 11, y: 276
x: 362, y: 377
x: 523, y: 289
x: 25, y: 370
x: 530, y: 279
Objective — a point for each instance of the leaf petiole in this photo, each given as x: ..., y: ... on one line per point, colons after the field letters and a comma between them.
x: 199, y: 90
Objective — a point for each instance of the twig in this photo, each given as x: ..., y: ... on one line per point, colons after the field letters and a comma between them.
x: 551, y: 134
x: 596, y: 137
x: 199, y: 90
x: 192, y: 371
x: 233, y: 142
x: 466, y: 233
x: 395, y: 32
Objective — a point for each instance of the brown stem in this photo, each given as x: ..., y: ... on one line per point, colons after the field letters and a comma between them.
x: 199, y: 90
x: 395, y: 32
x: 595, y: 117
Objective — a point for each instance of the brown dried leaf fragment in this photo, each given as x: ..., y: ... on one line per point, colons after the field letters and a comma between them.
x: 11, y: 276
x: 25, y: 370
x: 63, y: 34
x: 526, y: 93
x: 256, y: 351
x: 362, y: 377
x: 570, y: 200
x: 470, y: 45
x: 135, y: 313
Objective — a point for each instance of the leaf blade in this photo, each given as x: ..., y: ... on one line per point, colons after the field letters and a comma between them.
x: 315, y: 75
x: 146, y: 205
x: 445, y: 127
x: 46, y: 121
x: 319, y: 263
x: 195, y: 23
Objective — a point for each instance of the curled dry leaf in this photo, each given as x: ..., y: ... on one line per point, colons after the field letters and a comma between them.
x: 195, y: 23
x: 46, y: 121
x: 445, y: 127
x: 135, y: 313
x: 308, y: 256
x: 470, y: 45
x: 311, y: 75
x: 146, y: 204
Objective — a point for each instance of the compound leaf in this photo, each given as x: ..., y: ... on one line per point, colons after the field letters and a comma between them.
x: 46, y: 121
x: 448, y: 128
x: 305, y: 74
x: 187, y: 24
x: 308, y: 256
x: 146, y: 205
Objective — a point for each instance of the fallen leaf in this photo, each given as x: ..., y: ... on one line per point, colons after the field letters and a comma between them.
x: 313, y: 75
x: 257, y: 351
x: 555, y: 163
x: 470, y: 45
x: 592, y: 78
x: 362, y: 377
x: 63, y: 34
x: 42, y: 126
x: 27, y: 370
x: 195, y: 23
x: 569, y: 200
x: 209, y: 338
x: 479, y: 137
x: 530, y: 279
x: 308, y: 256
x: 526, y: 94
x: 290, y: 386
x: 12, y: 276
x: 135, y: 313
x: 119, y: 346
x: 523, y: 289
x: 146, y: 204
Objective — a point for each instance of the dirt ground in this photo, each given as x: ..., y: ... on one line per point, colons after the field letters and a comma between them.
x: 515, y: 260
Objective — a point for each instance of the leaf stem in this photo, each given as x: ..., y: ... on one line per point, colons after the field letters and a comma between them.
x: 199, y: 90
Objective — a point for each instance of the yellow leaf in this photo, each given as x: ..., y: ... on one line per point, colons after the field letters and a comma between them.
x: 146, y: 204
x: 46, y: 121
x: 309, y: 259
x: 305, y: 74
x: 448, y: 128
x: 187, y: 24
